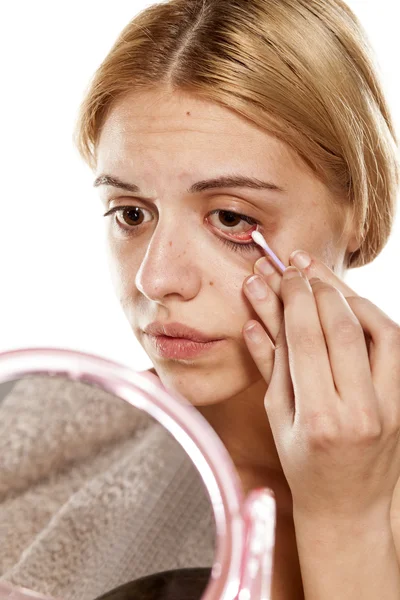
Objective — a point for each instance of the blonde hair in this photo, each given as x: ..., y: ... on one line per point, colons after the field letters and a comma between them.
x: 302, y: 70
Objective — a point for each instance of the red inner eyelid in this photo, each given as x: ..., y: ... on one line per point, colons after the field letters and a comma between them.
x: 242, y: 236
x: 245, y: 236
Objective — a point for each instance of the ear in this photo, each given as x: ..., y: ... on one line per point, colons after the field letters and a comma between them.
x: 353, y: 244
x: 350, y: 230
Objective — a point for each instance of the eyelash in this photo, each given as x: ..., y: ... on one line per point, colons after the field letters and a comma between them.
x: 235, y: 246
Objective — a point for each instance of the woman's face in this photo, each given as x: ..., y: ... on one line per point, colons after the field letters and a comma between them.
x: 168, y: 261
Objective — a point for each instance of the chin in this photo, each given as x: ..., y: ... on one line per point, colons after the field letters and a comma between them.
x: 210, y: 384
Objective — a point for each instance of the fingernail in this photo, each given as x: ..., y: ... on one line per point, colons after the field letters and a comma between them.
x: 257, y: 287
x: 253, y: 334
x: 264, y: 266
x: 291, y: 272
x: 300, y: 259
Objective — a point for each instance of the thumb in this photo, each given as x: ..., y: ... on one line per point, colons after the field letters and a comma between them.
x: 279, y: 398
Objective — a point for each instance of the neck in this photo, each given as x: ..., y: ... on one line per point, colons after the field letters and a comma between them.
x: 242, y: 425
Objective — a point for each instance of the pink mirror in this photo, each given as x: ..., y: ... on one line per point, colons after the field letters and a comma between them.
x: 113, y: 488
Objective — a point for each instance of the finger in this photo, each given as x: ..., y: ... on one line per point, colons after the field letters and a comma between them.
x: 317, y: 268
x: 308, y: 355
x: 266, y: 304
x: 279, y: 399
x: 260, y: 347
x: 266, y: 269
x: 385, y: 342
x: 347, y: 350
x: 261, y: 343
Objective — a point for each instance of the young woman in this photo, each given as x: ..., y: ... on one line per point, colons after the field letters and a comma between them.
x: 206, y: 120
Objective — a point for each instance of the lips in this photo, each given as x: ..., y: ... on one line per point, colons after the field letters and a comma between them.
x: 178, y: 330
x: 181, y: 348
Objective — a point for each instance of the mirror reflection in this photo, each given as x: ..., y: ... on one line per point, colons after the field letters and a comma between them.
x: 97, y: 499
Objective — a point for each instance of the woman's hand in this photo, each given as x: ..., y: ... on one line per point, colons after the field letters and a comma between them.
x: 333, y: 399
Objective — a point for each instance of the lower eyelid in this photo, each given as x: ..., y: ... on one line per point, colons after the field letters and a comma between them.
x: 236, y: 247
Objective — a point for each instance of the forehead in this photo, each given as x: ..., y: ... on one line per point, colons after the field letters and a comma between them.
x: 187, y: 131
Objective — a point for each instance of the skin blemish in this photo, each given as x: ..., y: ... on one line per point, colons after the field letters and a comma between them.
x: 188, y: 113
x: 211, y: 283
x: 170, y: 243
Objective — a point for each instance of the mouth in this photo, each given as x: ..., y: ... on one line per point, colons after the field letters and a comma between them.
x: 181, y: 348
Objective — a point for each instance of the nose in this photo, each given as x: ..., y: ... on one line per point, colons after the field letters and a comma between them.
x: 170, y: 266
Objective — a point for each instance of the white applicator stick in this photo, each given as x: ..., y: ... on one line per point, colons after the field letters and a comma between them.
x: 259, y: 239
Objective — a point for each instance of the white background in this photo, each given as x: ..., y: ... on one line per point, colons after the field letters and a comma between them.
x: 54, y: 281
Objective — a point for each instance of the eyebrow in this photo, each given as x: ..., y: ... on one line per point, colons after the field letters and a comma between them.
x: 207, y: 184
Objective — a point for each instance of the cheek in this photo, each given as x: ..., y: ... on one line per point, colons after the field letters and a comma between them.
x: 323, y: 242
x: 309, y: 232
x: 124, y: 263
x: 229, y: 298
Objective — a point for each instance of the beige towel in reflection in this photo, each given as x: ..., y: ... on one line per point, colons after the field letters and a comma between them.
x: 93, y: 493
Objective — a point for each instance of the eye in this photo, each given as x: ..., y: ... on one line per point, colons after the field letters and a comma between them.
x: 230, y: 220
x: 131, y: 215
